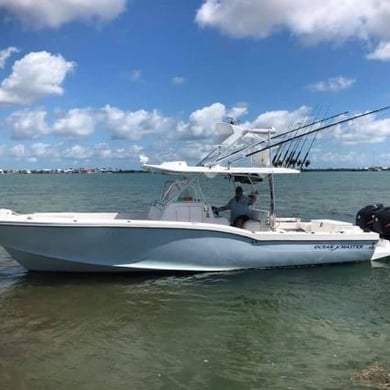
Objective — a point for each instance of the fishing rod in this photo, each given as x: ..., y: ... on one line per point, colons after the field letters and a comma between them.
x: 280, y: 135
x: 320, y: 129
x: 276, y: 160
x: 286, y: 152
x: 295, y: 144
x: 307, y: 153
x: 299, y: 147
x: 305, y: 161
x: 297, y: 161
x: 291, y: 148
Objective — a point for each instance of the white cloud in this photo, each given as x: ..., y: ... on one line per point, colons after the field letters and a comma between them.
x: 39, y: 150
x: 237, y: 111
x: 76, y: 122
x: 188, y: 139
x: 5, y: 54
x: 32, y: 124
x: 78, y: 152
x: 281, y: 120
x: 333, y: 84
x: 35, y: 76
x: 83, y: 122
x: 53, y: 14
x: 134, y: 125
x: 135, y: 75
x: 201, y: 122
x: 329, y: 159
x: 382, y: 52
x: 17, y: 151
x: 311, y: 20
x: 102, y: 152
x: 30, y: 153
x: 367, y: 130
x: 105, y: 152
x: 178, y: 80
x: 27, y: 124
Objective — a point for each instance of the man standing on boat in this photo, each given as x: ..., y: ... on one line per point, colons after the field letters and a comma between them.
x: 239, y: 207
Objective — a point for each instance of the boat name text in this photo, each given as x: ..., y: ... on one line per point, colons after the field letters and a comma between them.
x: 334, y: 247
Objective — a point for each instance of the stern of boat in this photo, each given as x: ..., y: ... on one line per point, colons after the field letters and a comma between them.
x: 382, y: 250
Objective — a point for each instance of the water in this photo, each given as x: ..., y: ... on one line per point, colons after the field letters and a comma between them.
x: 309, y: 328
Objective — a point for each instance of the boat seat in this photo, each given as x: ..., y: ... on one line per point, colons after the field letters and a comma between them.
x: 184, y: 212
x: 258, y: 214
x: 256, y: 226
x: 258, y: 220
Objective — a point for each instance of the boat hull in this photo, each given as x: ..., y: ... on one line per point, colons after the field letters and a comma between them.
x: 143, y: 246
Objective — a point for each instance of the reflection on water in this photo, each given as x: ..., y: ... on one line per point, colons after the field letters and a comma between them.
x: 272, y: 329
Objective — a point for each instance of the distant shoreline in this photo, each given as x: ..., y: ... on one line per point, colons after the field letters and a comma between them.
x: 116, y: 171
x: 84, y: 171
x: 373, y: 169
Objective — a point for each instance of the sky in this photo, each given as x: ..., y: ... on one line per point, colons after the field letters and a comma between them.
x: 103, y: 83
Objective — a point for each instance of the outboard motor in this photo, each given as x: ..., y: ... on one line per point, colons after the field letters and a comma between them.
x: 381, y: 223
x: 366, y: 216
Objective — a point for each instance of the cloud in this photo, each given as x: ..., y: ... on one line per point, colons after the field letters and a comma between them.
x: 281, y: 120
x: 200, y: 120
x: 53, y: 14
x: 32, y: 124
x: 381, y: 53
x: 39, y: 150
x: 237, y: 111
x: 196, y: 134
x: 188, y: 139
x: 76, y: 122
x: 333, y: 84
x: 178, y: 80
x: 329, y: 159
x: 201, y: 123
x: 78, y: 152
x: 17, y: 151
x: 35, y: 76
x: 102, y: 152
x: 313, y: 21
x: 5, y: 54
x: 134, y: 125
x: 83, y: 122
x: 27, y: 124
x: 135, y: 75
x: 367, y: 130
x: 64, y: 155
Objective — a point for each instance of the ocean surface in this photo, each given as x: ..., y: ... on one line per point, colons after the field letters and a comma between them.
x: 302, y: 328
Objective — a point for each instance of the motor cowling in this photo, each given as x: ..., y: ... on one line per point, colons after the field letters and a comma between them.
x: 381, y: 223
x: 365, y: 217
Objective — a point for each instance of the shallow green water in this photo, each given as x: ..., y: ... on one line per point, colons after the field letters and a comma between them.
x: 308, y: 328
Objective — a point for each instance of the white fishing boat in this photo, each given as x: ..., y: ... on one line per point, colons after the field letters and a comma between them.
x: 183, y: 231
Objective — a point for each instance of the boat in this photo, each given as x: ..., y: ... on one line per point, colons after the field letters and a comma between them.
x: 183, y: 231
